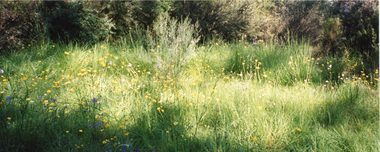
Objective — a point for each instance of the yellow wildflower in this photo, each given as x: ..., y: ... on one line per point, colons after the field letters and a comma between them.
x: 298, y: 129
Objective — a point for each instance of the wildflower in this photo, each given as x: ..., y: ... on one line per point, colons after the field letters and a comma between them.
x: 254, y: 139
x: 127, y: 134
x: 80, y: 130
x: 94, y: 100
x: 136, y: 149
x: 1, y: 71
x: 129, y: 64
x: 107, y: 125
x: 54, y: 100
x: 67, y: 131
x: 122, y: 126
x: 167, y: 132
x: 9, y: 118
x: 9, y: 99
x: 298, y: 129
x: 175, y: 123
x: 90, y: 126
x: 260, y: 108
x: 25, y: 78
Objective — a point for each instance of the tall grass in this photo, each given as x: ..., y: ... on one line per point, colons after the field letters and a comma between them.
x: 226, y: 97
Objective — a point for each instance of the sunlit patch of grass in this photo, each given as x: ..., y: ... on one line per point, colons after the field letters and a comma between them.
x: 230, y: 97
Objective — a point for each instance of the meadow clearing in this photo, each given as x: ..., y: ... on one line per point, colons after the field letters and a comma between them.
x: 216, y: 96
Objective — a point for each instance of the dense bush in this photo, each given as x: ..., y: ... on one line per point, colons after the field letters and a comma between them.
x: 360, y: 35
x: 232, y: 19
x: 74, y: 22
x: 119, y: 13
x: 20, y: 24
x: 330, y: 37
x: 303, y: 19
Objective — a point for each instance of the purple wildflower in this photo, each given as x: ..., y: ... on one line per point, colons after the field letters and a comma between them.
x: 1, y: 71
x: 94, y: 100
x: 96, y: 125
x: 100, y: 123
x: 90, y: 126
x: 9, y: 98
x: 136, y: 149
x: 54, y: 100
x: 39, y: 97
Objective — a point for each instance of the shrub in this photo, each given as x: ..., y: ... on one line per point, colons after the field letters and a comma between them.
x: 360, y: 22
x: 73, y: 22
x: 303, y: 20
x: 172, y: 41
x: 20, y: 24
x: 331, y: 33
x: 119, y: 13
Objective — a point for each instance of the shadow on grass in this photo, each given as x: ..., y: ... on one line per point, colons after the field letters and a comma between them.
x: 351, y: 103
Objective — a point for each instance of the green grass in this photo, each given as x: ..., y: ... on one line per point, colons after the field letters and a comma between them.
x: 219, y: 97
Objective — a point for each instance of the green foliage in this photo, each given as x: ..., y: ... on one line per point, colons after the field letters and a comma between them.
x: 303, y: 19
x: 331, y: 70
x: 205, y: 109
x: 73, y: 22
x: 21, y: 24
x: 223, y: 19
x: 119, y: 13
x: 146, y: 12
x: 173, y: 42
x: 261, y: 17
x: 330, y: 37
x: 360, y: 31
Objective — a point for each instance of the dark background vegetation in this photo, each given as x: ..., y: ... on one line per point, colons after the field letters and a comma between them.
x: 344, y: 29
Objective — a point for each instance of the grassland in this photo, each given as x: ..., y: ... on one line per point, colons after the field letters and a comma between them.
x: 216, y: 97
